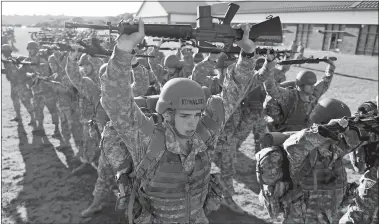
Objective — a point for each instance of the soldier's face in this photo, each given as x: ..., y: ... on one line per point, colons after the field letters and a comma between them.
x: 32, y: 52
x: 186, y: 121
x: 170, y: 71
x: 308, y: 89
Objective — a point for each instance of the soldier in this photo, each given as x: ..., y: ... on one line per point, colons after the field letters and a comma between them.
x: 288, y: 109
x: 19, y: 90
x: 237, y: 129
x: 68, y: 100
x: 358, y: 157
x: 185, y: 55
x: 93, y: 110
x: 114, y: 153
x: 316, y: 167
x: 177, y: 187
x: 197, y: 58
x: 364, y: 208
x: 42, y: 92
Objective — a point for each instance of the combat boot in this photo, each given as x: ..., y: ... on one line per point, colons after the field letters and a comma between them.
x: 95, y: 207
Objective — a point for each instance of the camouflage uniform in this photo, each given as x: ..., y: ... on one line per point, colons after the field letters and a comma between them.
x: 86, y: 107
x: 135, y: 130
x: 19, y: 90
x: 43, y: 92
x: 188, y: 63
x: 114, y: 150
x: 158, y: 69
x: 365, y: 206
x: 288, y: 110
x: 317, y: 171
x: 68, y: 101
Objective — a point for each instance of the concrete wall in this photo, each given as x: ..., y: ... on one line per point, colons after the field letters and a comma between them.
x: 349, y: 43
x: 333, y: 17
x: 315, y: 39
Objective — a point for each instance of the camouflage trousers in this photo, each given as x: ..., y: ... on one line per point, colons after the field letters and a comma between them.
x: 225, y: 158
x: 252, y: 120
x: 24, y: 94
x: 70, y: 120
x: 90, y: 151
x: 316, y: 207
x: 50, y: 101
x: 147, y: 218
x: 364, y: 209
x: 112, y: 157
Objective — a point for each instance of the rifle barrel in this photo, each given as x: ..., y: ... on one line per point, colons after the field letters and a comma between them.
x: 155, y: 30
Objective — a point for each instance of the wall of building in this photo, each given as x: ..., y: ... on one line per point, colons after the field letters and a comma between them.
x: 151, y: 9
x: 182, y: 18
x: 157, y: 19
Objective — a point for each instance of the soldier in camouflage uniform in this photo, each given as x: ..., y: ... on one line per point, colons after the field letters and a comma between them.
x: 316, y: 167
x: 68, y: 100
x: 42, y: 92
x: 186, y: 56
x: 364, y: 208
x: 288, y: 109
x: 76, y: 72
x: 178, y: 189
x: 114, y: 153
x: 19, y: 90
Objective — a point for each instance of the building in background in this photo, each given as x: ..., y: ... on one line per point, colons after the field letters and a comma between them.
x: 349, y: 27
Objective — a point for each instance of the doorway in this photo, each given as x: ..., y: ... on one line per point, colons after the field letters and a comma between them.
x: 333, y: 42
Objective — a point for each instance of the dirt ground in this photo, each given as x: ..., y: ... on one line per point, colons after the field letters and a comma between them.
x: 37, y: 185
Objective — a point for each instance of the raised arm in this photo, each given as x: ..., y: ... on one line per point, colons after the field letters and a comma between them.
x: 72, y: 71
x: 273, y: 89
x: 323, y: 85
x: 141, y: 80
x: 118, y: 100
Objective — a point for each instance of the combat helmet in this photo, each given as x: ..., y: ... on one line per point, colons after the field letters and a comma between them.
x: 6, y: 48
x: 198, y: 57
x: 328, y: 109
x: 306, y: 78
x: 181, y: 94
x: 171, y: 61
x: 32, y: 45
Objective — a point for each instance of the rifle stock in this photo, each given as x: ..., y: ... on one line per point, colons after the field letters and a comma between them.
x: 269, y: 30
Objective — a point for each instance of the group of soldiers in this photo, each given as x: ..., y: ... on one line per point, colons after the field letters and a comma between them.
x: 152, y: 126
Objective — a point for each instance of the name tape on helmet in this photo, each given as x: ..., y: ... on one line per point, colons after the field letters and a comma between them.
x: 189, y: 102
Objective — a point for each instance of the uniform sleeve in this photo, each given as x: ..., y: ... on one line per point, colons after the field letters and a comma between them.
x: 323, y: 85
x: 72, y: 71
x: 201, y: 72
x: 141, y: 80
x: 118, y: 101
x: 275, y: 91
x: 53, y: 64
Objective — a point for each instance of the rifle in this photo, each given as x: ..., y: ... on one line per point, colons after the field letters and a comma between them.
x: 277, y: 53
x: 368, y: 123
x: 43, y: 78
x: 17, y: 61
x: 206, y: 30
x: 95, y: 49
x: 307, y: 60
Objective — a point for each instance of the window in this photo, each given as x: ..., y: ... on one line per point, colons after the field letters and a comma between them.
x: 368, y: 40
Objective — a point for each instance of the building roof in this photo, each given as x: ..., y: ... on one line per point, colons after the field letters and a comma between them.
x: 269, y: 7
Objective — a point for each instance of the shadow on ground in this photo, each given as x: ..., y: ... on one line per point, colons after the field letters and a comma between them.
x: 50, y: 193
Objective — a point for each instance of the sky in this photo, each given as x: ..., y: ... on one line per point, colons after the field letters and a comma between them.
x: 69, y: 8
